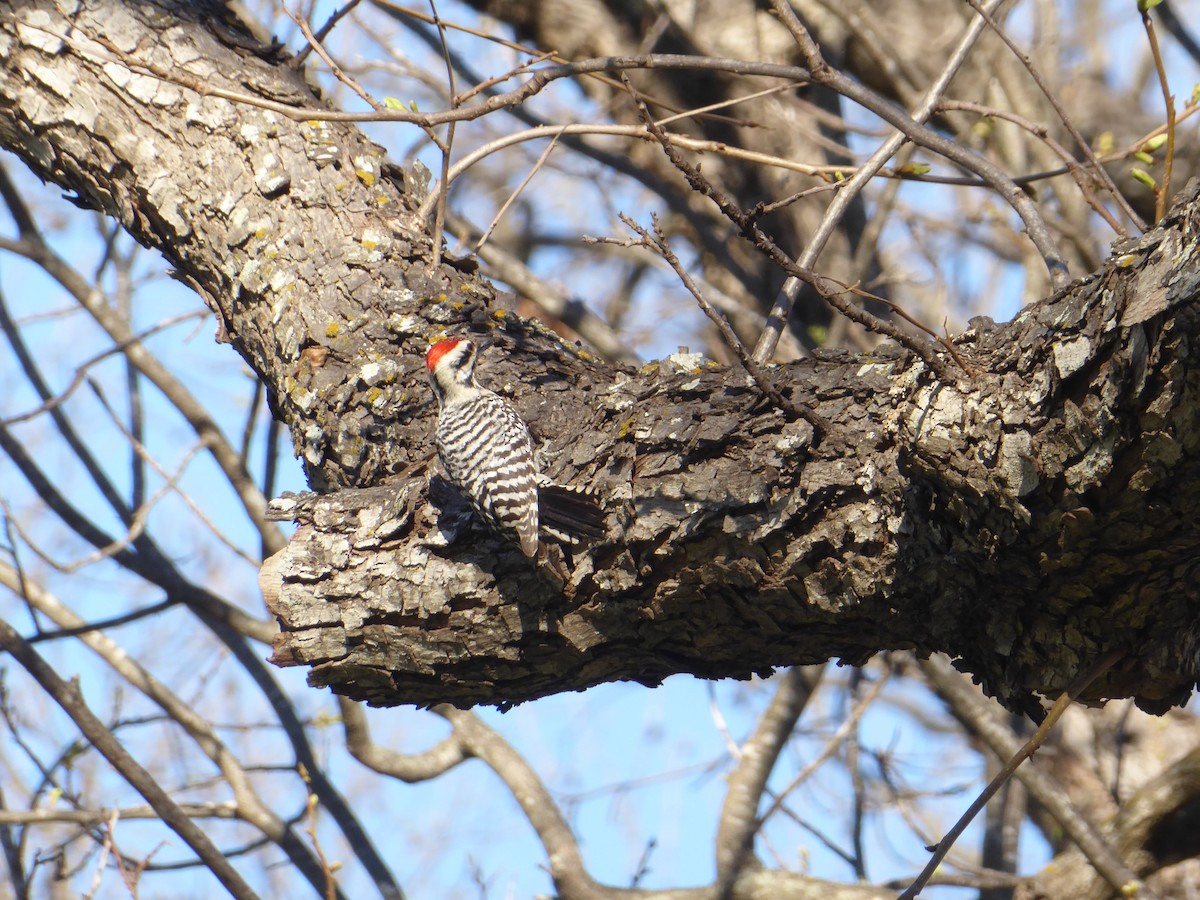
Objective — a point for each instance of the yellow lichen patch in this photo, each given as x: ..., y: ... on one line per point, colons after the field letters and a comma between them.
x: 367, y: 178
x: 332, y: 330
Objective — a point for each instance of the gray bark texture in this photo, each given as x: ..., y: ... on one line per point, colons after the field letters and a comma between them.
x: 1032, y: 519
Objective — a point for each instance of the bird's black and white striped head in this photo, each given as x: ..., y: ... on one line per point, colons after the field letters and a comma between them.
x: 451, y: 365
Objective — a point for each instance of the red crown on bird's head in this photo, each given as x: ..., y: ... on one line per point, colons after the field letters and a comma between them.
x: 438, y: 350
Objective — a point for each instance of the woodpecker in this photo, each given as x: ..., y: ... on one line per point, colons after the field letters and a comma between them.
x: 486, y: 450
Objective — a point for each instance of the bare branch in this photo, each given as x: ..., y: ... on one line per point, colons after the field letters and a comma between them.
x: 562, y: 852
x: 926, y: 137
x: 1162, y: 192
x: 250, y: 805
x: 1094, y: 166
x: 847, y: 191
x: 753, y: 233
x: 976, y: 710
x: 189, y: 406
x: 69, y: 698
x: 739, y: 820
x: 324, y: 31
x: 658, y: 243
x: 440, y: 758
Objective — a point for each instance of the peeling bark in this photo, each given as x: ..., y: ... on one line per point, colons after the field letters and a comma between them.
x: 1029, y: 520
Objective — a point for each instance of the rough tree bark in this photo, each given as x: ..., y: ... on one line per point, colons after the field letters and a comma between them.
x: 1031, y: 519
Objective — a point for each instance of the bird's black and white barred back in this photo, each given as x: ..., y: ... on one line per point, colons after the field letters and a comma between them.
x: 488, y: 454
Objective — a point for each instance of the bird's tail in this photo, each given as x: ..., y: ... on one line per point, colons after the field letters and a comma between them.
x: 569, y: 514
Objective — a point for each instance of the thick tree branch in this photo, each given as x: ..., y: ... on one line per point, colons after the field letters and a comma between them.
x: 1028, y: 523
x: 442, y: 757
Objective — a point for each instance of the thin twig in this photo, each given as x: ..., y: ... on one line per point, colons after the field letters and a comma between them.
x: 781, y: 309
x: 1039, y: 131
x: 103, y: 624
x: 831, y: 746
x: 135, y: 527
x: 703, y: 146
x: 916, y: 323
x: 46, y: 816
x: 322, y: 32
x: 171, y: 481
x: 1097, y: 169
x: 1118, y: 876
x: 759, y: 239
x: 1162, y: 191
x: 257, y: 392
x: 80, y: 375
x: 106, y: 847
x: 21, y: 585
x: 315, y: 43
x: 721, y: 148
x: 929, y: 178
x: 443, y: 191
x: 552, y: 299
x: 659, y: 244
x: 516, y: 192
x: 747, y: 782
x: 1027, y: 750
x: 311, y: 805
x: 488, y: 83
x: 148, y: 563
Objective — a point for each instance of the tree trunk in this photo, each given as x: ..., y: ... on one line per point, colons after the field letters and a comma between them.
x: 1032, y: 520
